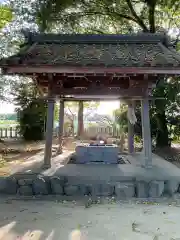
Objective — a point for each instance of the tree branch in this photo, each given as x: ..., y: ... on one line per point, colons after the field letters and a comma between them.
x: 85, y: 14
x: 137, y: 18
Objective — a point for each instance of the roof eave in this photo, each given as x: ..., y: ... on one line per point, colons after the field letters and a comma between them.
x: 38, y: 69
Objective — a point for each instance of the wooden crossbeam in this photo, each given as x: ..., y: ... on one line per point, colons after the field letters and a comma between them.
x: 101, y: 98
x: 100, y: 91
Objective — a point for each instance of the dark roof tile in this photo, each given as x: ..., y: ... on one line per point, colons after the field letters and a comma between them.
x: 94, y: 50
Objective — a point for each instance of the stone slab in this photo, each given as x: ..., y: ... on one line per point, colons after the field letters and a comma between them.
x: 85, y: 189
x: 125, y: 190
x: 40, y: 187
x: 142, y: 189
x: 71, y: 190
x: 103, y: 189
x: 57, y: 185
x: 171, y: 187
x: 8, y: 185
x: 156, y: 189
x: 25, y: 181
x: 88, y: 154
x: 122, y: 179
x: 25, y: 190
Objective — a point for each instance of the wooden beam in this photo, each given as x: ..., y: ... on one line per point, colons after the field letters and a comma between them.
x: 111, y: 98
x: 101, y: 98
x: 131, y: 104
x: 100, y: 91
x: 91, y: 78
x: 73, y: 85
x: 61, y: 127
x: 90, y: 69
x: 146, y: 132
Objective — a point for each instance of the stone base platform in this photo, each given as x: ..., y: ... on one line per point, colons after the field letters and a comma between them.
x: 122, y: 181
x: 124, y: 188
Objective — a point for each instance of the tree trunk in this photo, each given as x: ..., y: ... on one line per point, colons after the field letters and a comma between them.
x: 162, y: 138
x: 80, y: 131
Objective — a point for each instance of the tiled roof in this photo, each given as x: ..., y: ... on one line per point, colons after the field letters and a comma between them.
x: 141, y: 50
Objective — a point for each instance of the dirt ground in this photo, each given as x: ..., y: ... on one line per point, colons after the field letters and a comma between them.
x: 55, y: 220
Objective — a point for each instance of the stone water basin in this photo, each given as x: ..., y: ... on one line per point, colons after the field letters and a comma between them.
x: 97, y: 153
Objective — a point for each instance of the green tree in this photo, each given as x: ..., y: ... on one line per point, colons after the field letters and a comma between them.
x: 5, y: 15
x: 31, y: 111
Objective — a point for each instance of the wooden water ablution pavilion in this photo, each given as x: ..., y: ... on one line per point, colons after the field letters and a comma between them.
x: 87, y: 67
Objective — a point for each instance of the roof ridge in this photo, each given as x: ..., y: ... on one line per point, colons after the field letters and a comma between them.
x: 32, y: 37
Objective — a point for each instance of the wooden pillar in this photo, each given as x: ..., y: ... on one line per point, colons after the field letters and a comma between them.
x: 80, y: 130
x: 61, y: 126
x: 130, y: 133
x: 49, y: 133
x: 146, y: 133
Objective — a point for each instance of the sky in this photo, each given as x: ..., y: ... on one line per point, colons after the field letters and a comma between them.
x: 107, y: 107
x: 104, y: 107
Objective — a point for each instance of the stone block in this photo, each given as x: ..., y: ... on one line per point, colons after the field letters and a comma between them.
x: 125, y: 190
x: 125, y: 179
x: 26, y: 181
x: 81, y: 153
x: 2, y: 184
x: 71, y: 190
x: 142, y: 189
x: 57, y: 185
x: 40, y: 186
x: 103, y: 189
x: 25, y: 190
x: 90, y: 153
x: 85, y: 189
x: 8, y: 185
x: 171, y: 187
x: 156, y: 189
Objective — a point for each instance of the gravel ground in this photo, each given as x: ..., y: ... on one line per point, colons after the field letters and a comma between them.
x: 53, y: 219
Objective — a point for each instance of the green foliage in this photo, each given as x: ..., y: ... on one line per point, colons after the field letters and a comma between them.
x: 137, y: 139
x: 110, y: 16
x: 56, y: 113
x: 122, y: 121
x: 121, y: 117
x: 32, y: 121
x: 5, y: 15
x: 31, y: 112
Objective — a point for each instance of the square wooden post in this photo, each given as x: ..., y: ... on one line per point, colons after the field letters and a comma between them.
x: 130, y: 133
x: 61, y: 126
x: 49, y: 133
x: 80, y: 130
x: 146, y: 133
